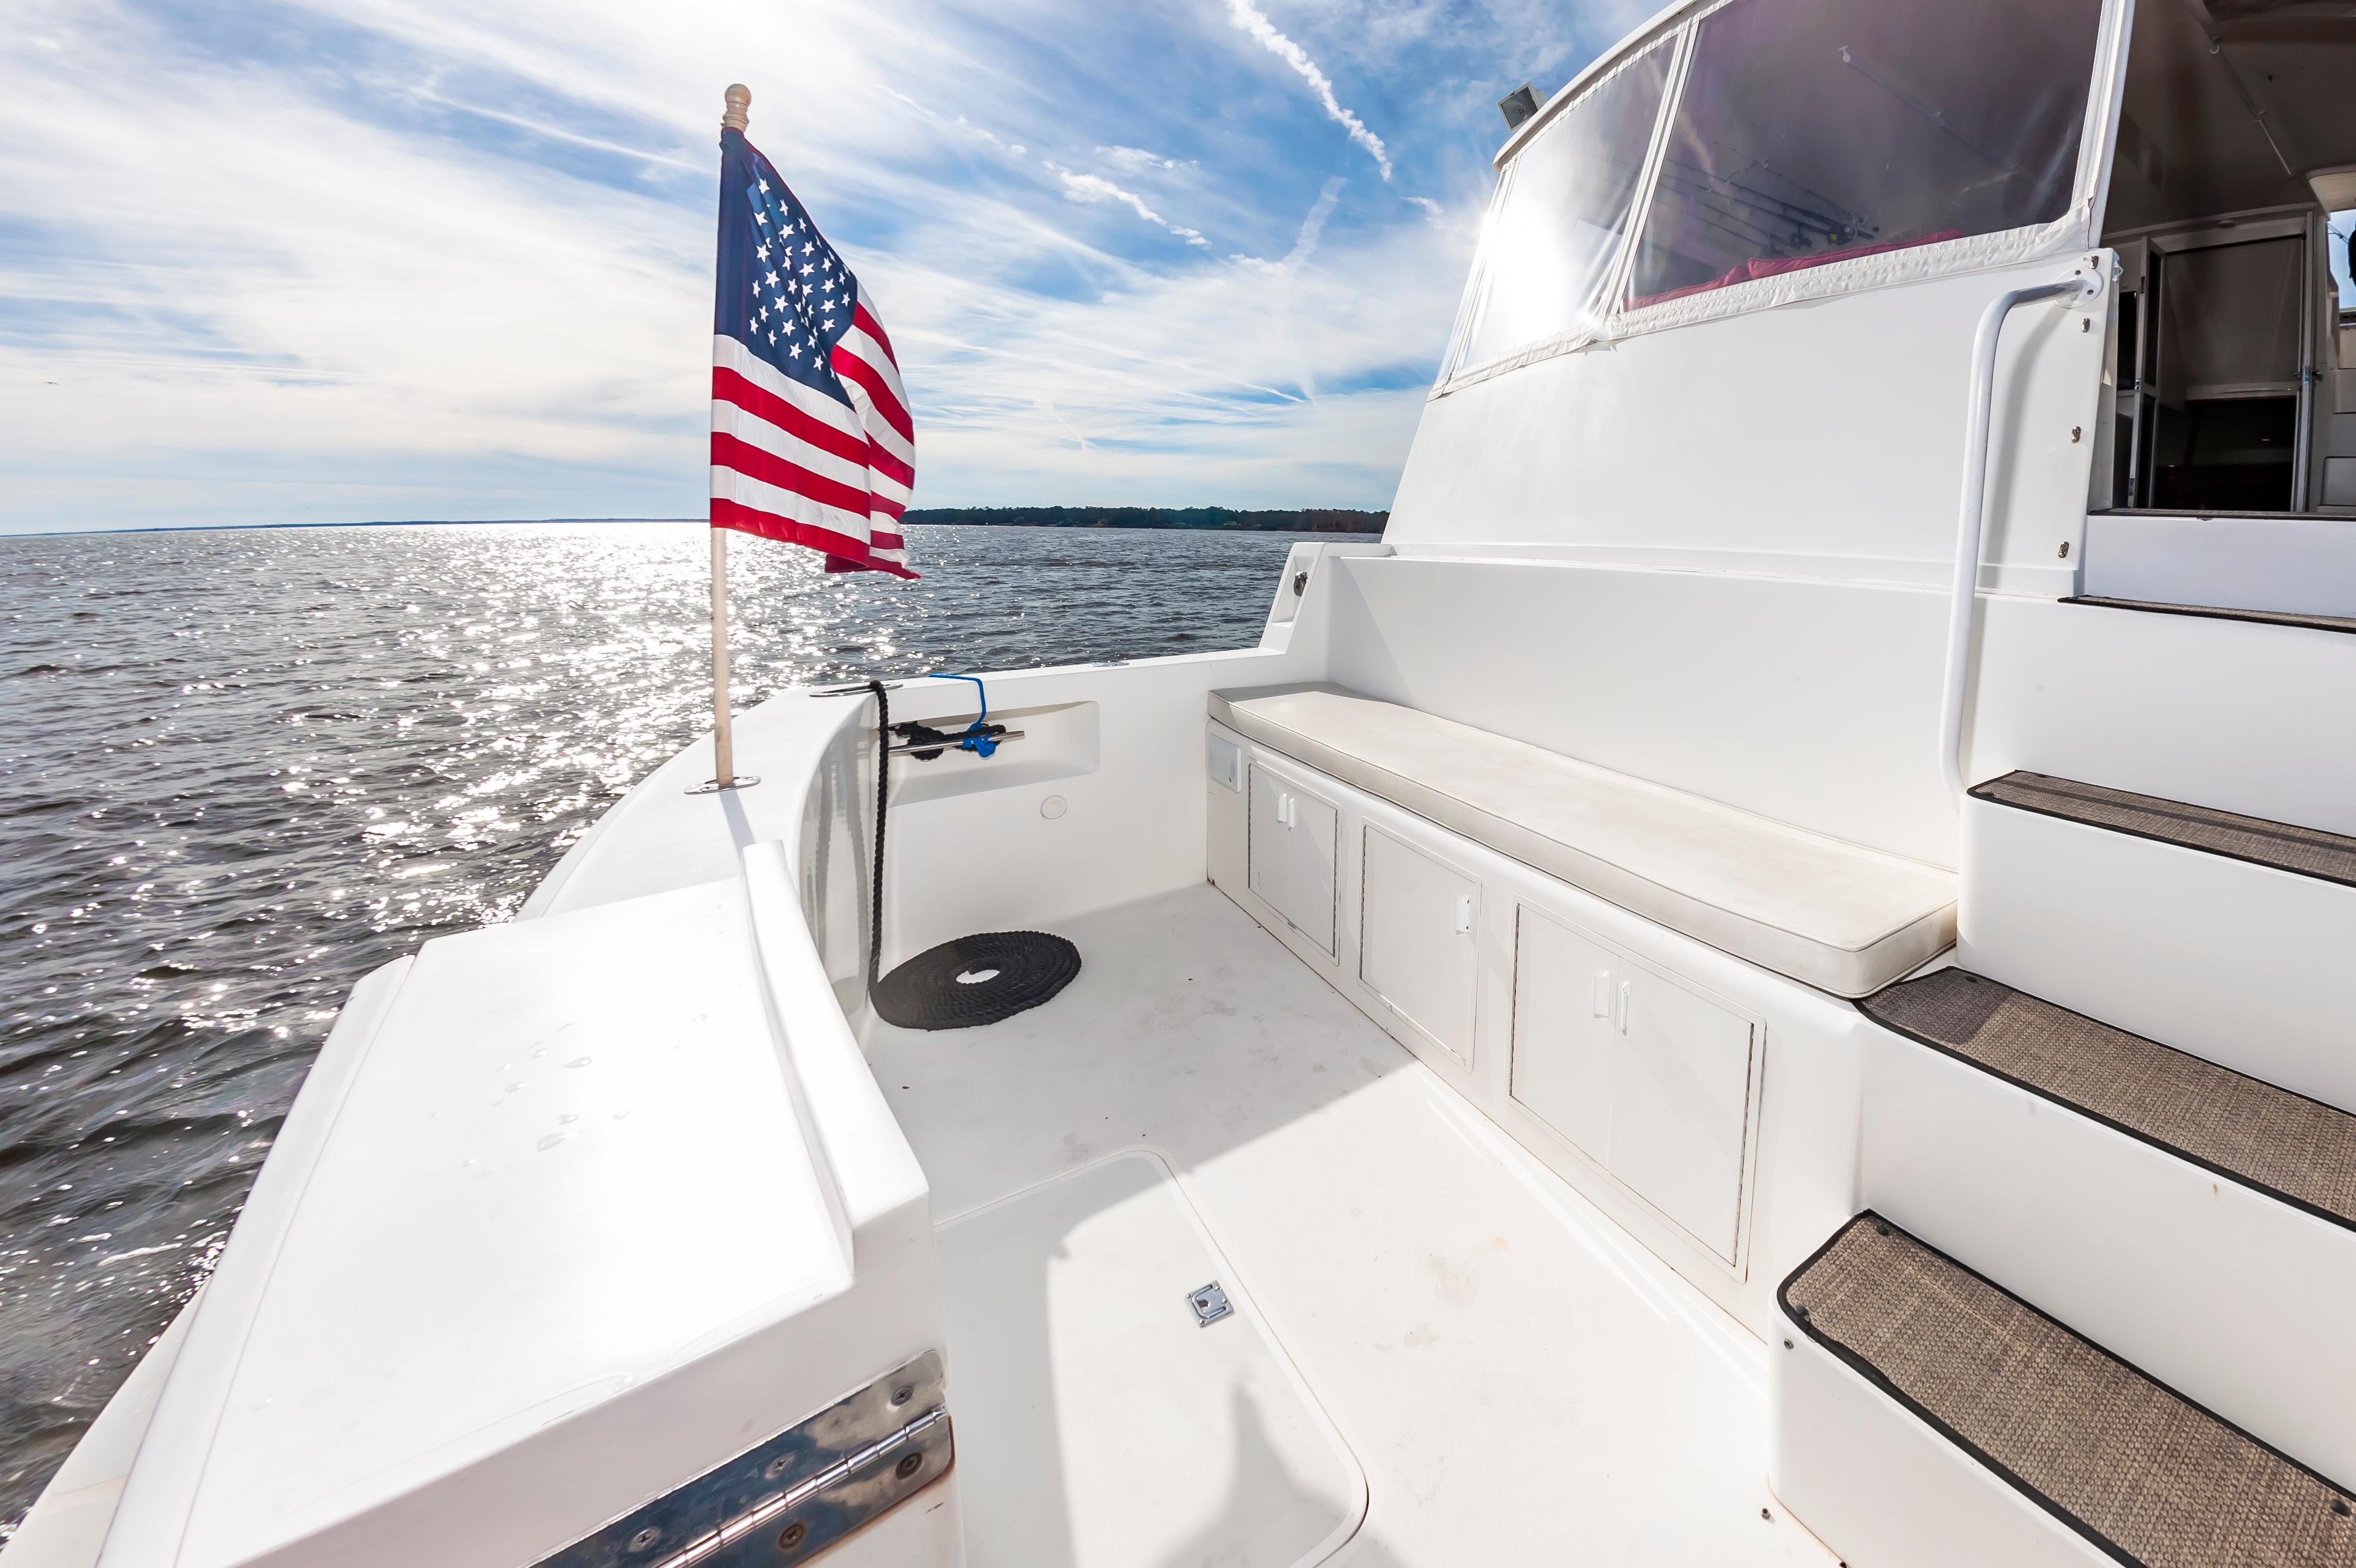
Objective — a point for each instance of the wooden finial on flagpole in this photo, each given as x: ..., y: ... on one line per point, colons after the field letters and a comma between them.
x: 740, y: 98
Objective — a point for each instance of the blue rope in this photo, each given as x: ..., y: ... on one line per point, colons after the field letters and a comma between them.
x: 975, y: 738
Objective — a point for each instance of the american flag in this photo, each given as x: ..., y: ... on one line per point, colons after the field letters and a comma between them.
x: 811, y: 442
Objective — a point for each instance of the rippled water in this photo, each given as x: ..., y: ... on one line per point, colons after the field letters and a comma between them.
x: 240, y: 770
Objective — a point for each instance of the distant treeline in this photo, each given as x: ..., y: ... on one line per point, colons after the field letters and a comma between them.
x: 1311, y: 520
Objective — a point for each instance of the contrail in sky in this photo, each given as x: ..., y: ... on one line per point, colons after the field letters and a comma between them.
x: 1248, y: 16
x: 1096, y: 187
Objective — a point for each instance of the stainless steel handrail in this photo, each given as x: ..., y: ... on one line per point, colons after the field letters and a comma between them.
x: 1965, y: 591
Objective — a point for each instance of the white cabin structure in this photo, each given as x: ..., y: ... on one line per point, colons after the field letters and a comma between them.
x: 1765, y: 979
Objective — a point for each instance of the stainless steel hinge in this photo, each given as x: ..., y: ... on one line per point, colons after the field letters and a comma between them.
x: 796, y: 1495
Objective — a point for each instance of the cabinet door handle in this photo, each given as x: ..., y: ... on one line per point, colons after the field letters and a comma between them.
x: 1625, y: 988
x: 1604, y: 993
x: 1465, y: 914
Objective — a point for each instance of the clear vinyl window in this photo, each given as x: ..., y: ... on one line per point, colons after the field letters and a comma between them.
x: 1813, y: 131
x: 1563, y: 214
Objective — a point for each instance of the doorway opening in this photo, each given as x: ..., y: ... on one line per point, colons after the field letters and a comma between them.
x: 2231, y: 199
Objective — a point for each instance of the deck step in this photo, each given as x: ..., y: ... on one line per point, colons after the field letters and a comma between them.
x: 2190, y: 1220
x: 2134, y: 1468
x: 2219, y: 612
x: 2292, y: 1148
x: 2304, y: 851
x: 2224, y: 935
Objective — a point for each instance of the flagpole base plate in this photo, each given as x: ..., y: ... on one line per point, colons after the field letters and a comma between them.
x: 713, y: 786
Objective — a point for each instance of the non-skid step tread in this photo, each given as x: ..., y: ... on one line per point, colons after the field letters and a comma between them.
x: 2139, y: 1469
x: 2283, y: 846
x: 2218, y: 612
x: 2293, y: 1148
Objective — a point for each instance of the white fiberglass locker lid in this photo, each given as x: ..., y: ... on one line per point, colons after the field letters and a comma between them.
x: 562, y: 1220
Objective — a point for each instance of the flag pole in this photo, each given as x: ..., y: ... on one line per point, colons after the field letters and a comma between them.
x: 723, y: 746
x: 738, y: 99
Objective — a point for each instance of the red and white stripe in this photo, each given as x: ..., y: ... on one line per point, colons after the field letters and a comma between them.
x: 791, y: 463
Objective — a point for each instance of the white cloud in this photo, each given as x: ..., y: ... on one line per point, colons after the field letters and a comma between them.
x: 1304, y: 245
x: 1185, y: 386
x: 1243, y: 377
x: 236, y: 297
x: 1313, y: 225
x: 1249, y: 16
x: 1087, y: 187
x: 476, y: 280
x: 1137, y: 160
x: 962, y: 126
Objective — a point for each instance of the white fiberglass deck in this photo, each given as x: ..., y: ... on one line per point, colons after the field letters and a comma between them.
x: 1518, y: 1380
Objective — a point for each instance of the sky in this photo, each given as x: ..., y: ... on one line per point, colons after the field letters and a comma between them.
x: 282, y: 262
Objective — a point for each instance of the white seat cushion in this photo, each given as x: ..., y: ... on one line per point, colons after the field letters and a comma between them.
x: 1835, y: 915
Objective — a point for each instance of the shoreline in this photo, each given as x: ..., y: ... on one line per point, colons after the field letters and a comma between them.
x: 1371, y: 525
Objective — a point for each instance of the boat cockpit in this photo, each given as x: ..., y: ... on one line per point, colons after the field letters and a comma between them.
x: 1761, y: 981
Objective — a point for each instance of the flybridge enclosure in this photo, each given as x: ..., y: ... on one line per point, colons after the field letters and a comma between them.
x: 1810, y: 132
x: 1626, y: 386
x: 1622, y: 388
x: 1775, y: 139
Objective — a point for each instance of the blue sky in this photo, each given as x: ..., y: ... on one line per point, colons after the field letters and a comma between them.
x: 286, y: 261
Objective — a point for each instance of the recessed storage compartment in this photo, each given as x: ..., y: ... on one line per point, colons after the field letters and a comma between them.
x: 1059, y: 740
x: 1418, y: 951
x: 1223, y: 760
x: 1291, y: 853
x: 1651, y: 1077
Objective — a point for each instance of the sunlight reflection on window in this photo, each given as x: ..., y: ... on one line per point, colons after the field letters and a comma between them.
x: 1564, y: 213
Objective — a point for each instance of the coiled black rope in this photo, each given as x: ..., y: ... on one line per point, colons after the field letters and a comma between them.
x: 976, y: 980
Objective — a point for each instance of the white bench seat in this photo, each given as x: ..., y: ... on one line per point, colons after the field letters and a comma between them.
x: 1835, y: 915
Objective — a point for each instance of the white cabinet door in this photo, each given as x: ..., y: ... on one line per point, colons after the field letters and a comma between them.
x: 1420, y: 952
x: 1292, y: 840
x: 1566, y: 998
x: 1645, y: 1075
x: 1680, y: 1104
x: 1266, y: 827
x: 1311, y: 827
